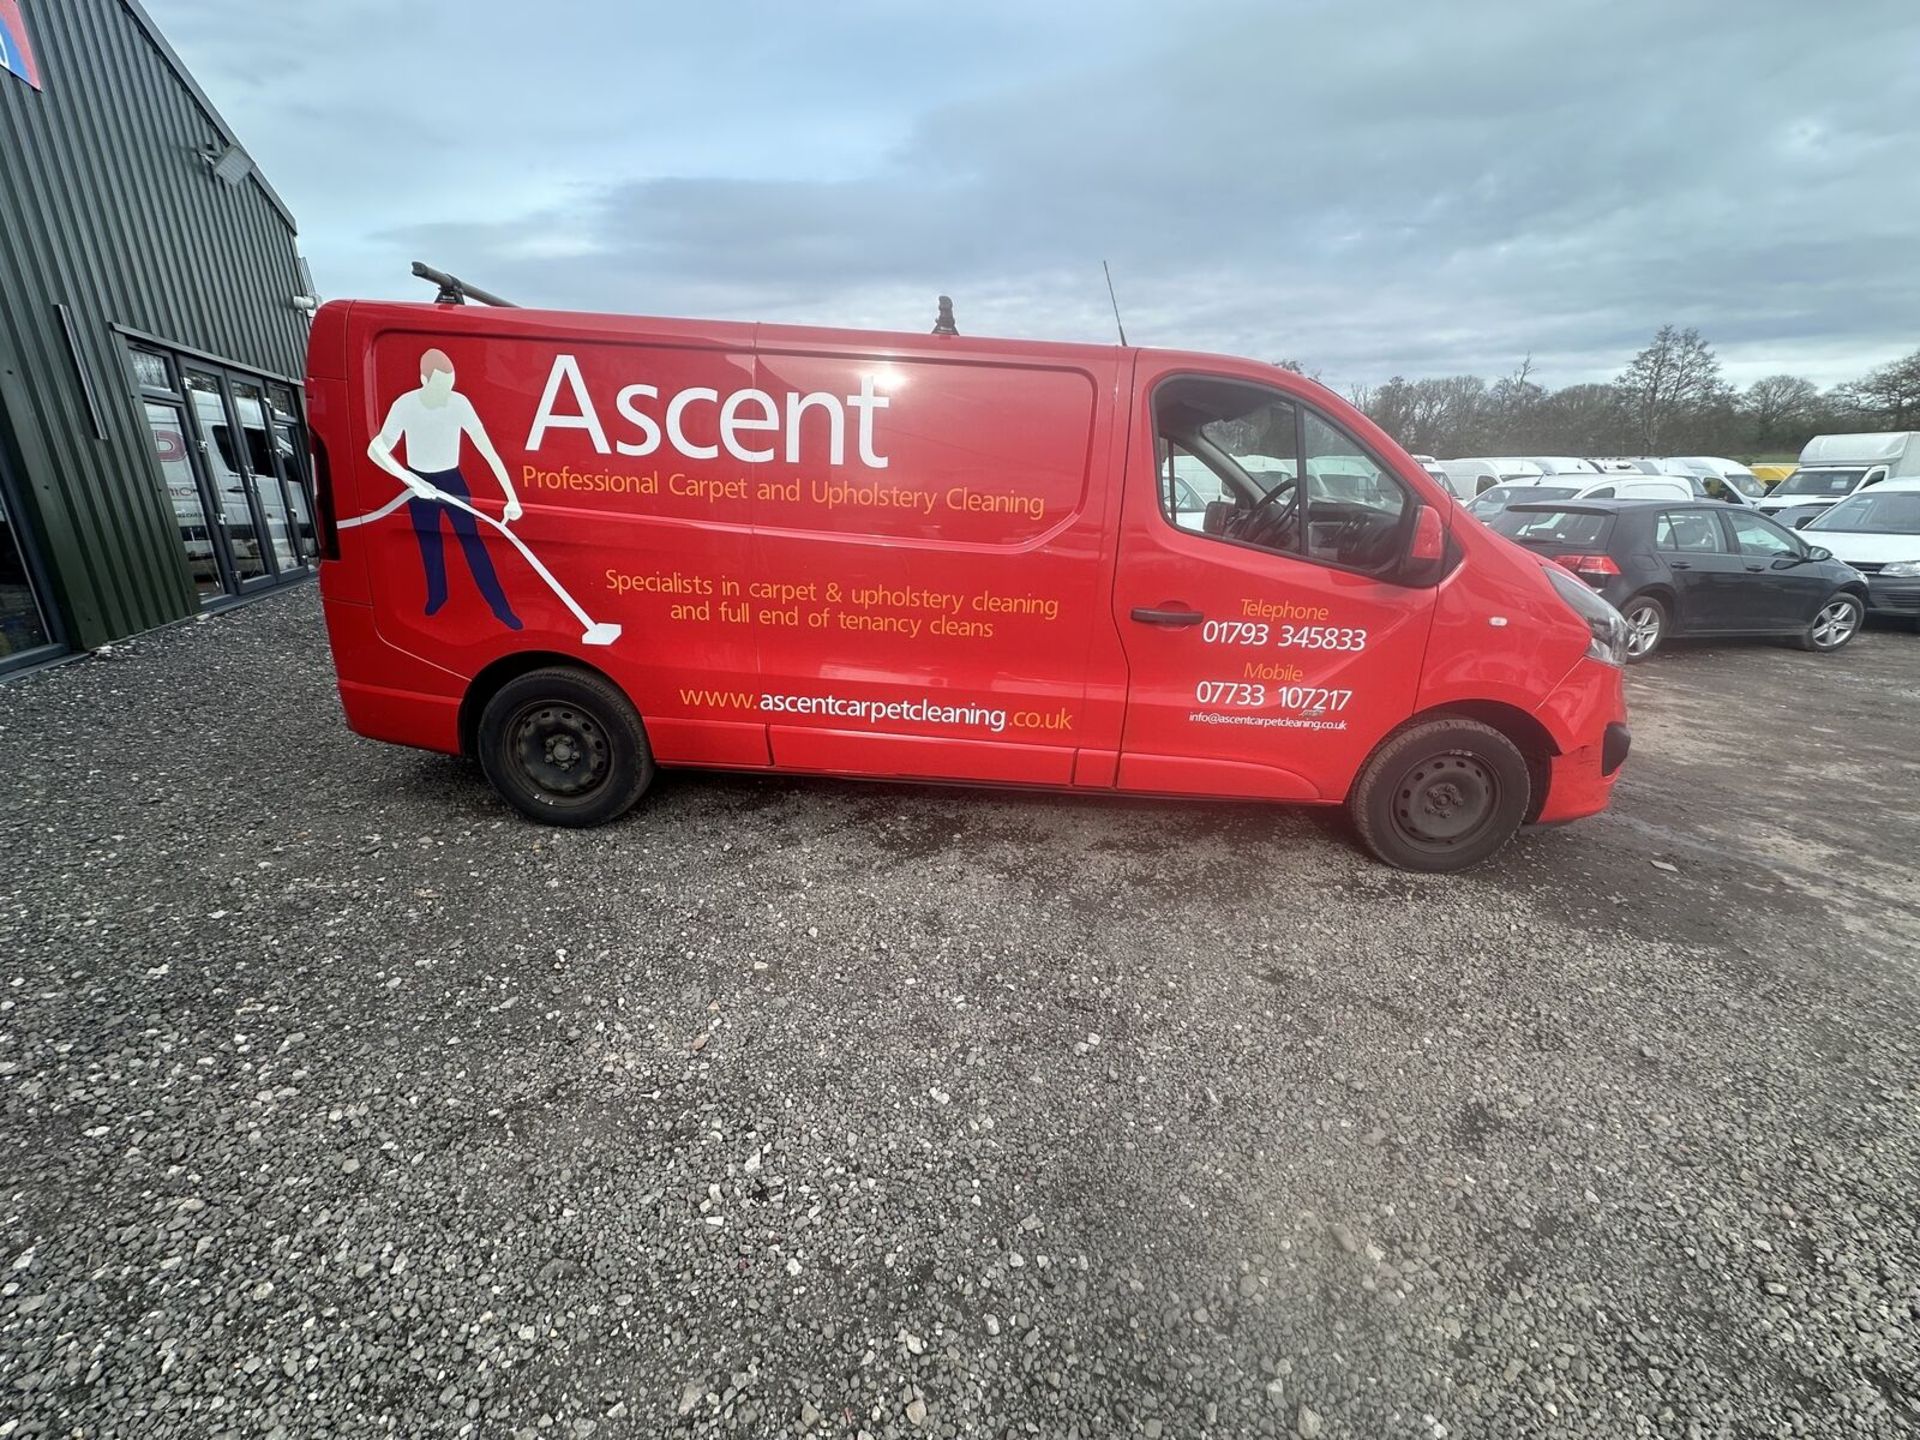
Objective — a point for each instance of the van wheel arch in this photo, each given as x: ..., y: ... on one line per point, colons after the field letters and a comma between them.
x: 485, y: 685
x: 1528, y: 735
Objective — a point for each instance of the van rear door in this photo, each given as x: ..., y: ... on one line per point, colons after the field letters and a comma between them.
x: 1267, y: 653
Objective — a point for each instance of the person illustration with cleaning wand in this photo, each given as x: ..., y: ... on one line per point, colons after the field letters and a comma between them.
x: 430, y: 423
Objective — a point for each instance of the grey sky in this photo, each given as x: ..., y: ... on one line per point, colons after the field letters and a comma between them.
x: 1415, y: 188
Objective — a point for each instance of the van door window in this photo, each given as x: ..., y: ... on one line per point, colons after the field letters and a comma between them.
x: 1188, y: 487
x: 1230, y: 467
x: 1228, y: 460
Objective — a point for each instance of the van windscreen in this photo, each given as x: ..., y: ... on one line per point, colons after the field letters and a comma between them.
x: 1820, y: 482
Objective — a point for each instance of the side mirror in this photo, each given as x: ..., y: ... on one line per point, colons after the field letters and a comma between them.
x: 1425, y: 560
x: 1218, y: 513
x: 1819, y: 552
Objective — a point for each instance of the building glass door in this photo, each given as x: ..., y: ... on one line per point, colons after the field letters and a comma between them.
x: 290, y: 448
x: 262, y: 465
x: 217, y: 437
x: 23, y: 624
x: 186, y: 491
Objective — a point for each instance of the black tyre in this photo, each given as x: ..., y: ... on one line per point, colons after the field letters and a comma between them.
x: 1834, y: 624
x: 564, y: 747
x: 1441, y: 796
x: 1647, y: 625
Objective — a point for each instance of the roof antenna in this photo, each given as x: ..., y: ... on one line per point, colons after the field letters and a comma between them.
x: 943, y: 322
x: 1116, y: 303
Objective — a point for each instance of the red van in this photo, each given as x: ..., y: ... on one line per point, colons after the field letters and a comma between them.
x: 581, y: 547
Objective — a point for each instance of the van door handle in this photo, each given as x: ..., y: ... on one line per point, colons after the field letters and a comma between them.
x: 1148, y: 616
x: 1680, y: 564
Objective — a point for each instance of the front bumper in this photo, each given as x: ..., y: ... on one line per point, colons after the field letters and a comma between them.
x: 1893, y: 597
x: 1590, y: 706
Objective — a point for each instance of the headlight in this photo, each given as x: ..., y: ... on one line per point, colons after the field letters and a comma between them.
x: 1608, y: 626
x: 1902, y: 569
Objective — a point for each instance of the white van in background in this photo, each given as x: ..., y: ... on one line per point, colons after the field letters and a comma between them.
x: 1467, y: 478
x: 1581, y: 487
x: 1722, y: 479
x: 1563, y: 465
x: 1832, y: 467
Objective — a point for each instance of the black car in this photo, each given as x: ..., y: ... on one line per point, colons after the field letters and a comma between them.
x: 1695, y: 568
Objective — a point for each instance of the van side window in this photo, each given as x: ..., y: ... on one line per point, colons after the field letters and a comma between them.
x: 1228, y: 454
x: 1187, y: 486
x: 1687, y: 530
x: 1230, y: 466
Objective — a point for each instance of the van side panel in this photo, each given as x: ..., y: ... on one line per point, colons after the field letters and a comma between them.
x: 386, y: 693
x: 936, y: 590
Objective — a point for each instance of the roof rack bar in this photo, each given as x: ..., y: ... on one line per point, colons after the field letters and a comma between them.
x: 455, y: 291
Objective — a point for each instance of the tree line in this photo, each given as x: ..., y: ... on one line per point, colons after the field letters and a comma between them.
x: 1671, y: 400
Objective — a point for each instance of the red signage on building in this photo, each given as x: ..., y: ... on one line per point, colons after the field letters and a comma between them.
x: 16, y: 51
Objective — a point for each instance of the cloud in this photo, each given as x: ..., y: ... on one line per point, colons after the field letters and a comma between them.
x: 1397, y: 188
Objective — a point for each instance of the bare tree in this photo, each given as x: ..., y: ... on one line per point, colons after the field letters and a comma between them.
x: 1674, y: 377
x: 1778, y: 408
x: 1514, y: 401
x: 1888, y: 396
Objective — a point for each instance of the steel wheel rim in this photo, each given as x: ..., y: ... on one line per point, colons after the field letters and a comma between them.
x: 1643, y: 629
x: 1446, y: 801
x: 1835, y: 624
x: 561, y: 749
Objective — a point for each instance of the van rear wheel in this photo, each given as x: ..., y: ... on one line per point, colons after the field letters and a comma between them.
x: 564, y: 747
x: 1441, y: 796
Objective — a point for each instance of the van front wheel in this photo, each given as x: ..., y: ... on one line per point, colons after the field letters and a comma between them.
x: 564, y: 747
x: 1441, y: 796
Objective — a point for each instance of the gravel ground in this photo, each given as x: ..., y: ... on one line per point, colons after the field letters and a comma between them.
x: 340, y: 1103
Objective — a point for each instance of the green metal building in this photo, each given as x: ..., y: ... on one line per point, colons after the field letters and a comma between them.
x: 153, y: 322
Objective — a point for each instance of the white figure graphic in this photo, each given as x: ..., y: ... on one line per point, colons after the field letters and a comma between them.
x: 430, y: 423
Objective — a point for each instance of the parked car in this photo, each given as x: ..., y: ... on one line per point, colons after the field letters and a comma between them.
x: 1695, y: 568
x: 1832, y: 467
x: 1606, y: 487
x: 1720, y: 479
x: 1877, y: 532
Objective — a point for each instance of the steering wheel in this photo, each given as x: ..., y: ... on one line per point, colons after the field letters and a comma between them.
x: 1258, y: 522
